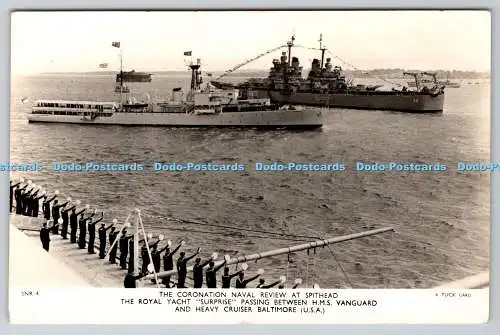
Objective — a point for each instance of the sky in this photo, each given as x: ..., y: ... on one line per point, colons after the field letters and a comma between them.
x: 155, y: 41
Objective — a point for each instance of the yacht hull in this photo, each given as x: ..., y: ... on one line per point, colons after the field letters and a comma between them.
x: 307, y: 118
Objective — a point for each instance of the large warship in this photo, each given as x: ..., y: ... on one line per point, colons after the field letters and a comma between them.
x: 326, y: 85
x: 202, y: 107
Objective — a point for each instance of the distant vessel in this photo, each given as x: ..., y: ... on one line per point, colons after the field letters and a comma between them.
x: 325, y: 86
x: 120, y: 87
x: 201, y: 108
x: 133, y: 77
x: 451, y: 84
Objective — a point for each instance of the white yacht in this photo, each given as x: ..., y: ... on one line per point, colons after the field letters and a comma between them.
x: 200, y: 108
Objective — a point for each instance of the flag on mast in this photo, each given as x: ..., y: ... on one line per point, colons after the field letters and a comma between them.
x: 115, y: 44
x: 187, y: 53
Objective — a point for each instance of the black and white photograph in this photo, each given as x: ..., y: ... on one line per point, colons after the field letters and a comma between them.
x: 189, y: 154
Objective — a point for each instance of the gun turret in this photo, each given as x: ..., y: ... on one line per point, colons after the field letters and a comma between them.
x: 416, y: 76
x: 431, y: 74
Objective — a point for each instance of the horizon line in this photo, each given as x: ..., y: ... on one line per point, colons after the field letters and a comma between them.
x: 247, y: 70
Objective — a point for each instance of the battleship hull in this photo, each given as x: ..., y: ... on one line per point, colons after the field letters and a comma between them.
x: 301, y: 119
x: 396, y: 102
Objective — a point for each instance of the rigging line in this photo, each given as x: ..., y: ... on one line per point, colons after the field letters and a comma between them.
x: 341, y: 267
x: 248, y: 61
x: 287, y: 267
x: 229, y: 234
x: 358, y: 69
x: 291, y: 237
x: 139, y: 222
x: 314, y: 270
x: 344, y: 273
x: 349, y: 64
x: 307, y: 270
x: 230, y: 227
x: 304, y: 47
x: 118, y: 235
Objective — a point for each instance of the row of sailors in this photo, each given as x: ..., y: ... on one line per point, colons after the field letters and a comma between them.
x: 126, y: 258
x: 208, y: 266
x: 197, y: 271
x: 28, y: 198
x: 27, y: 203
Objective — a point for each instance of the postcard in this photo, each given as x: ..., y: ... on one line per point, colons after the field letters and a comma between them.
x: 267, y: 167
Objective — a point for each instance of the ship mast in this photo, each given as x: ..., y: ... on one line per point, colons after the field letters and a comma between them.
x: 121, y: 68
x: 121, y: 75
x: 322, y: 48
x: 290, y: 45
x: 285, y: 73
x: 195, y: 74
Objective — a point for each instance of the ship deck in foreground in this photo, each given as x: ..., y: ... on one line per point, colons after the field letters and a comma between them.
x: 75, y: 267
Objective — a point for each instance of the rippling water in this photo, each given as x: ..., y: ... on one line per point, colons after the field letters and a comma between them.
x: 441, y: 219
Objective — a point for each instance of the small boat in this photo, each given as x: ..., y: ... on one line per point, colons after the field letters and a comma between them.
x: 451, y: 84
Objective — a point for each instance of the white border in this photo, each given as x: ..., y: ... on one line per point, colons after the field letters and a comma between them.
x: 104, y: 306
x: 289, y: 330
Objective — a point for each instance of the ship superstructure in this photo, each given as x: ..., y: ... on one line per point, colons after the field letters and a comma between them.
x: 430, y: 83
